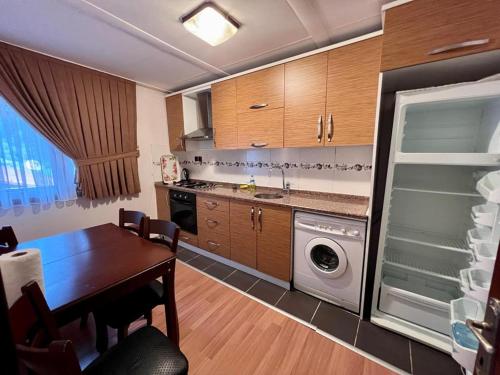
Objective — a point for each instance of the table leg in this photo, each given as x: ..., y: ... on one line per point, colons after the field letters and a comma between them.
x: 170, y: 305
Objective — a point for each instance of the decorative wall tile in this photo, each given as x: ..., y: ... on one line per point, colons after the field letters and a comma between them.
x: 344, y: 170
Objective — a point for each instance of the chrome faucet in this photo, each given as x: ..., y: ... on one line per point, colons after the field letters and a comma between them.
x: 286, y: 186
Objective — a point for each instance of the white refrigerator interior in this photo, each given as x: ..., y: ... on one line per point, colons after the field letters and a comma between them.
x: 440, y: 222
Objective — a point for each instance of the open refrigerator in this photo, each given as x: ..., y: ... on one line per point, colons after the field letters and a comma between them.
x: 440, y: 222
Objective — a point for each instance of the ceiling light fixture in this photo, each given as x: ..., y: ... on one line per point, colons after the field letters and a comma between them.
x: 210, y: 23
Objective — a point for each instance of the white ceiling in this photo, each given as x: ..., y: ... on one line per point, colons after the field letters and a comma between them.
x: 144, y: 40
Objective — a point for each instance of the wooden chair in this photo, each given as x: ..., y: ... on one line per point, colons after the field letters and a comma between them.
x: 8, y: 239
x: 141, y: 302
x: 41, y: 350
x: 131, y: 220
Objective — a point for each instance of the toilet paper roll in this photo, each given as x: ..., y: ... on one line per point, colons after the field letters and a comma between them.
x: 18, y: 268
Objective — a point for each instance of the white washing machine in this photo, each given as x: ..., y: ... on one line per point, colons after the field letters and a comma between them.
x: 328, y: 258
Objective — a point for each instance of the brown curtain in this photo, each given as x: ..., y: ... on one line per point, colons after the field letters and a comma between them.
x: 90, y: 116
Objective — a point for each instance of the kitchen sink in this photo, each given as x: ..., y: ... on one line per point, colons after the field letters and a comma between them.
x: 268, y: 196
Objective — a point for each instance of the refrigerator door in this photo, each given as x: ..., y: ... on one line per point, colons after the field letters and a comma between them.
x: 444, y: 141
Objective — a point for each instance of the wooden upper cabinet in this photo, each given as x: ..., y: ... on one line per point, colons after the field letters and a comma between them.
x: 243, y: 235
x: 274, y: 241
x: 224, y: 120
x: 261, y: 90
x: 261, y: 129
x: 413, y: 30
x: 305, y: 99
x: 352, y: 88
x: 175, y: 119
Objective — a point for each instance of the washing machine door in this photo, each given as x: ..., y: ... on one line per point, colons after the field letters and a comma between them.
x: 326, y: 257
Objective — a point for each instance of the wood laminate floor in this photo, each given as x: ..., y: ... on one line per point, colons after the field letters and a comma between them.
x: 226, y: 332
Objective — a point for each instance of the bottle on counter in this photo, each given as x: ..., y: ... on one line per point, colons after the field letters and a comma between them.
x: 252, y: 187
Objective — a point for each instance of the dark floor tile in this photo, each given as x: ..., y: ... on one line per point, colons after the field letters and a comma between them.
x: 267, y: 292
x: 386, y: 345
x: 298, y: 304
x: 337, y: 322
x: 185, y: 254
x: 241, y: 280
x: 430, y: 361
x: 219, y: 270
x: 201, y: 262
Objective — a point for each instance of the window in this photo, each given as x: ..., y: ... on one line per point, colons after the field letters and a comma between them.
x: 32, y: 170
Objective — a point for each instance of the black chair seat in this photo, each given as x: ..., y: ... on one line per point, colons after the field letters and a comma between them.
x: 145, y: 351
x: 132, y: 306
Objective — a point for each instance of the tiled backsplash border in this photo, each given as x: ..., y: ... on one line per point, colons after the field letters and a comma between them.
x: 286, y: 165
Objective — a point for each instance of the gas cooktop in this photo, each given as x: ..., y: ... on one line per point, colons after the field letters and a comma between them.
x: 199, y: 185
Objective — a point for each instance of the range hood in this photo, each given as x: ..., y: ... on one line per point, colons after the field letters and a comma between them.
x: 204, y: 115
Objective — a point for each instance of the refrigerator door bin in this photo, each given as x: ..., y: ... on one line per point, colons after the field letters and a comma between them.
x: 489, y: 187
x: 423, y: 302
x: 475, y: 283
x: 464, y: 346
x: 485, y: 254
x: 478, y: 235
x: 484, y: 214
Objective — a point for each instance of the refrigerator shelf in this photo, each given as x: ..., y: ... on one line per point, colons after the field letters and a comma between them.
x: 475, y: 283
x: 435, y: 191
x: 428, y: 239
x: 478, y: 235
x: 422, y: 265
x: 441, y: 158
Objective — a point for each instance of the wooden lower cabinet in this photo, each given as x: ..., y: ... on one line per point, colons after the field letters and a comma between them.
x: 189, y: 238
x: 243, y: 234
x: 274, y: 241
x: 162, y: 203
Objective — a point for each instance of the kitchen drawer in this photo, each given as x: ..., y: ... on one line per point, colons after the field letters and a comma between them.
x: 210, y: 204
x: 215, y: 221
x: 413, y: 30
x: 189, y: 238
x: 214, y: 242
x: 261, y: 90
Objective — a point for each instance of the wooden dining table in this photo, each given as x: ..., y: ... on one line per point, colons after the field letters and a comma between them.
x: 89, y: 268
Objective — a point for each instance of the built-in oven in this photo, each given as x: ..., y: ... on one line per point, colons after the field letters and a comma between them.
x: 183, y: 210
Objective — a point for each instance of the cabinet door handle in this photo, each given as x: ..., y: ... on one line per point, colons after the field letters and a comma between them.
x: 330, y: 127
x: 214, y: 223
x: 259, y: 145
x: 455, y: 46
x: 213, y: 244
x: 185, y: 238
x: 258, y: 106
x: 260, y: 219
x: 215, y: 138
x: 211, y: 205
x: 252, y: 217
x: 320, y: 128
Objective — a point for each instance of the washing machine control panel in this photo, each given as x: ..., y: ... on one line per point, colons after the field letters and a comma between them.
x: 336, y: 229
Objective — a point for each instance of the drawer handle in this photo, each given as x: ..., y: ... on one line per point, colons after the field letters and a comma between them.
x: 252, y: 217
x: 455, y: 46
x: 258, y: 106
x: 214, y: 223
x: 330, y: 127
x: 211, y: 205
x: 185, y: 238
x: 213, y: 244
x: 320, y: 128
x: 259, y: 145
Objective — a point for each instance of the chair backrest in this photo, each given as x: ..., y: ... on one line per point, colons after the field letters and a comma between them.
x: 8, y: 239
x: 39, y: 347
x: 165, y: 228
x: 131, y: 220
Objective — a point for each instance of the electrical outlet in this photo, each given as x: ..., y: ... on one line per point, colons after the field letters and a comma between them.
x: 198, y: 159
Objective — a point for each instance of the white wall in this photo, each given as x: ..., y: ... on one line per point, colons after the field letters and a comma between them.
x: 338, y: 172
x: 152, y: 138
